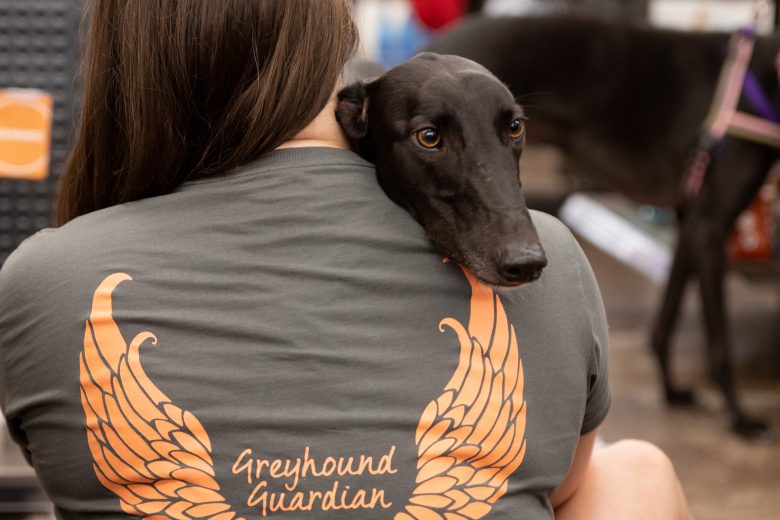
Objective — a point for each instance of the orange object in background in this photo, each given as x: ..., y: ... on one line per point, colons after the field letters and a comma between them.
x: 754, y: 231
x: 25, y: 134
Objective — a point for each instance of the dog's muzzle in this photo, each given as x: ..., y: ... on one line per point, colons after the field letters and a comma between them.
x: 518, y: 264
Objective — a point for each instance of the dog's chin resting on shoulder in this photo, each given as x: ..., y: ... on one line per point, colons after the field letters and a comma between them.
x: 446, y: 138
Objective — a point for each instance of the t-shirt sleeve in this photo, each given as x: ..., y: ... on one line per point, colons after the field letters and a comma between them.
x: 599, y: 396
x: 11, y: 420
x: 20, y: 276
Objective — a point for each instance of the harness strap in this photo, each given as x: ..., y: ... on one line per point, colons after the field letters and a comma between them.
x: 730, y: 85
x: 723, y: 118
x: 757, y: 98
x: 756, y: 129
x: 697, y: 170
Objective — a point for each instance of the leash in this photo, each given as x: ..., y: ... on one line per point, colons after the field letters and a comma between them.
x: 723, y: 118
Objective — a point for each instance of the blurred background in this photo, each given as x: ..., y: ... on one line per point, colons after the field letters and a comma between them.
x: 628, y: 244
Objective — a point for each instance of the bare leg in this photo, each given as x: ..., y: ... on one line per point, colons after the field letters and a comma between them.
x: 628, y: 479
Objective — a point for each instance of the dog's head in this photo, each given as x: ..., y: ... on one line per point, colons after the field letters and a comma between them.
x: 446, y: 137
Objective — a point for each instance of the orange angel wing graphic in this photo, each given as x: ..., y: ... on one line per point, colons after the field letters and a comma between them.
x: 472, y: 437
x: 153, y: 455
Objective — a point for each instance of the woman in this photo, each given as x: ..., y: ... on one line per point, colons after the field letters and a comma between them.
x: 314, y: 357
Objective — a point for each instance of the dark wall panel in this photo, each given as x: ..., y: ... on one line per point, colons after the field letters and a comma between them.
x: 37, y: 51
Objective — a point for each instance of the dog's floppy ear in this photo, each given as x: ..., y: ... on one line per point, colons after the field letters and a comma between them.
x: 352, y: 110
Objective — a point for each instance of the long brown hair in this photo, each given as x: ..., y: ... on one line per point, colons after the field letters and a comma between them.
x: 181, y: 89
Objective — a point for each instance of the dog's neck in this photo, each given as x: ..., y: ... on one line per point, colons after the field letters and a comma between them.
x: 323, y: 131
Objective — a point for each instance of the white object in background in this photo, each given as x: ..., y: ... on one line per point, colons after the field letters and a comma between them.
x: 710, y: 15
x: 371, y: 16
x: 520, y: 7
x: 368, y: 14
x: 617, y: 236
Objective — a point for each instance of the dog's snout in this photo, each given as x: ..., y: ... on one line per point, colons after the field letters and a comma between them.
x: 521, y: 264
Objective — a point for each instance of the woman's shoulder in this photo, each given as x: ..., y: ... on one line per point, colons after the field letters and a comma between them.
x: 564, y: 254
x: 552, y: 230
x: 54, y: 257
x: 34, y: 251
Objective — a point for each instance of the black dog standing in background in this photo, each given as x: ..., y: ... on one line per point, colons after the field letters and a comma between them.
x: 446, y: 137
x: 626, y: 105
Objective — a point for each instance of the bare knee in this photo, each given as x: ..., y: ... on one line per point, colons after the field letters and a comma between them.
x: 642, y: 457
x: 647, y: 473
x: 641, y: 464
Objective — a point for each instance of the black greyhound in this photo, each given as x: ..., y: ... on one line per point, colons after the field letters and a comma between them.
x: 446, y: 137
x: 626, y: 105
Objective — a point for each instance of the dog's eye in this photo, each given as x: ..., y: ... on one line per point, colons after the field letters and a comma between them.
x: 429, y: 138
x: 516, y: 129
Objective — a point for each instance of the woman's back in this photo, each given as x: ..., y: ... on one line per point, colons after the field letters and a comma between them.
x: 306, y: 323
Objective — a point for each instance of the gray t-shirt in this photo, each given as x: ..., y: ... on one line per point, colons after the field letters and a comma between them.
x: 283, y: 342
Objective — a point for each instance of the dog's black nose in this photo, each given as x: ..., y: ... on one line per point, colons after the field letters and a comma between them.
x: 519, y: 264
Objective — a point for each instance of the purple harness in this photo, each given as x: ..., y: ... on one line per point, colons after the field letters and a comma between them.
x: 723, y: 119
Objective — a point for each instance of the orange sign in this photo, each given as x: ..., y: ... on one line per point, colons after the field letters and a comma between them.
x: 25, y: 134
